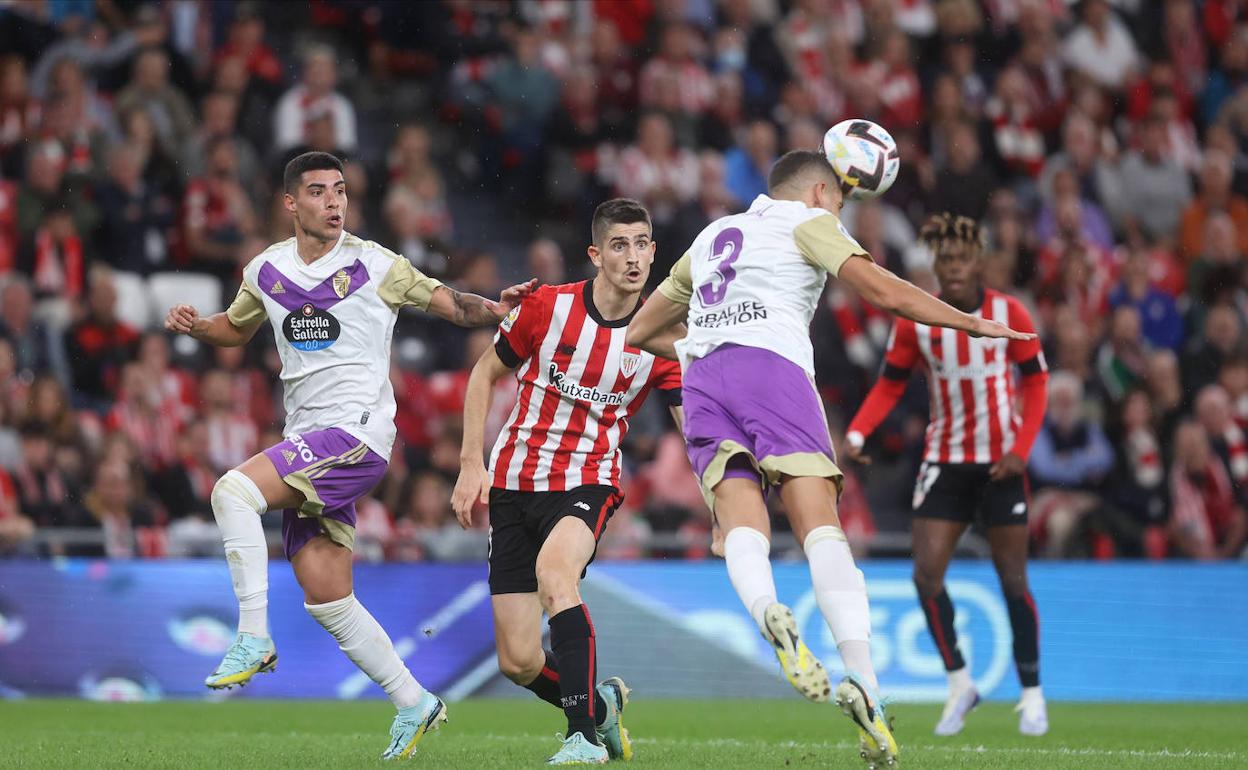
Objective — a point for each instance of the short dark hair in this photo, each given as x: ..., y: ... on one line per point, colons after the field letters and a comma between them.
x: 309, y: 161
x: 617, y: 211
x: 796, y: 163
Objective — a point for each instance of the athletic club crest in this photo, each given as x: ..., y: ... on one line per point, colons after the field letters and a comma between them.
x: 342, y: 283
x: 629, y: 363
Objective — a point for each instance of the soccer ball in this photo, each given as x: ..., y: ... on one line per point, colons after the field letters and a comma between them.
x: 864, y: 156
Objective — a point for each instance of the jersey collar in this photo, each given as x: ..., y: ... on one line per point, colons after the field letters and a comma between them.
x: 587, y: 293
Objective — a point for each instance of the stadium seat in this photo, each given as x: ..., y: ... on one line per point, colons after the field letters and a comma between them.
x: 134, y: 304
x: 203, y: 292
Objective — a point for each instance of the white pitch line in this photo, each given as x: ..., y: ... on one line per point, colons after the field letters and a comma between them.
x: 1059, y: 751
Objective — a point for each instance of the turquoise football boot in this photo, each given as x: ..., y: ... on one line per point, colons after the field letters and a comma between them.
x: 578, y: 751
x: 611, y: 732
x: 413, y: 723
x: 867, y: 710
x: 248, y: 655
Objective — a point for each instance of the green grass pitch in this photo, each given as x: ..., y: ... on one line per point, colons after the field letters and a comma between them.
x: 667, y: 734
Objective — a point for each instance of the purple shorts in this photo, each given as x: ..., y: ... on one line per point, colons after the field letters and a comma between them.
x: 332, y: 469
x: 752, y: 413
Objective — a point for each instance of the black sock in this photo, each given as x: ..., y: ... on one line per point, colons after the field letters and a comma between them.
x: 546, y: 686
x: 1025, y: 623
x: 939, y: 613
x: 572, y: 637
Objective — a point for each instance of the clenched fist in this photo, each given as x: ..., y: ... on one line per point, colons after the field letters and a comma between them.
x: 181, y: 319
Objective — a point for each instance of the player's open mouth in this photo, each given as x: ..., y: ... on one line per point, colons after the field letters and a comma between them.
x: 335, y: 220
x: 633, y: 275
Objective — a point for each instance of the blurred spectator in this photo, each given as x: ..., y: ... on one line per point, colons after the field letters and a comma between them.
x: 15, y: 528
x: 677, y: 68
x: 964, y: 184
x: 313, y: 96
x: 1139, y: 481
x: 1155, y: 188
x: 43, y: 490
x: 576, y: 136
x: 616, y: 76
x: 135, y: 217
x: 545, y: 262
x: 524, y: 95
x: 245, y: 42
x: 1215, y: 196
x: 46, y: 189
x: 36, y: 345
x: 150, y: 91
x: 1019, y: 140
x: 726, y: 116
x: 217, y: 215
x: 1220, y: 340
x: 1215, y: 272
x: 160, y: 169
x: 219, y: 120
x: 894, y: 80
x: 1086, y: 221
x: 19, y: 110
x: 1081, y: 153
x: 1069, y: 462
x: 1158, y: 314
x: 1123, y: 358
x: 112, y: 503
x: 428, y: 523
x: 746, y: 166
x: 1206, y: 521
x: 1101, y: 48
x: 98, y: 345
x: 1227, y: 78
x: 232, y: 436
x: 657, y: 172
x: 1213, y: 411
x: 85, y: 108
x: 48, y: 405
x: 56, y: 257
x: 183, y: 488
x: 143, y: 414
x: 249, y: 387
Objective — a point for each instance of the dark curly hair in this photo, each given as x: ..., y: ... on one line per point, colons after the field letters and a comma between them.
x: 946, y: 227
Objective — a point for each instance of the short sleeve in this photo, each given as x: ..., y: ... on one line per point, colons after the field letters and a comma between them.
x: 247, y: 307
x: 1028, y: 354
x: 678, y: 286
x: 519, y: 332
x: 824, y: 242
x: 902, y: 352
x: 405, y: 285
x: 665, y: 378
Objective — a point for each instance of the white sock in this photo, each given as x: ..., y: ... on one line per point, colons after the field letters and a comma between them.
x: 1031, y: 693
x: 237, y: 504
x: 365, y: 642
x: 960, y: 680
x: 841, y: 592
x: 747, y: 550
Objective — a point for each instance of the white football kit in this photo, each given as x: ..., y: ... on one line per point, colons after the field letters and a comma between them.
x: 333, y: 321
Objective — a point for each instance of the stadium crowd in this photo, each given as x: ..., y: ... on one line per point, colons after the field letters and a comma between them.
x: 1103, y: 144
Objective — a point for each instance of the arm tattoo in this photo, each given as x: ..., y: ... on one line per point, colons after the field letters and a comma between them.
x: 471, y: 310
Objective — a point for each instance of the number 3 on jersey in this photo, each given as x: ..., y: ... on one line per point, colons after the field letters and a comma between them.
x: 725, y: 250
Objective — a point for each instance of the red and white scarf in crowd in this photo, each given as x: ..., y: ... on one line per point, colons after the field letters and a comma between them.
x: 1144, y: 456
x: 58, y: 266
x: 1237, y: 449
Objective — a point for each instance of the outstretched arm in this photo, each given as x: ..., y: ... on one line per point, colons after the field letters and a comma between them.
x: 473, y: 483
x: 898, y: 296
x: 471, y: 310
x: 217, y: 329
x: 658, y: 326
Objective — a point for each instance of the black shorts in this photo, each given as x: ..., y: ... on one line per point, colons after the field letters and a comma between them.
x: 520, y: 522
x: 963, y: 492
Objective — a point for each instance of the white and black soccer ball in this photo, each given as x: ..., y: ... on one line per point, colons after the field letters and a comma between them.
x: 864, y: 156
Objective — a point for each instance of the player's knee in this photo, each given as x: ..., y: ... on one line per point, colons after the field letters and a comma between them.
x: 556, y: 585
x: 521, y: 669
x: 236, y: 491
x: 928, y: 582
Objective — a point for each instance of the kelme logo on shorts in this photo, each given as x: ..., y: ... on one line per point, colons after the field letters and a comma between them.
x: 310, y: 328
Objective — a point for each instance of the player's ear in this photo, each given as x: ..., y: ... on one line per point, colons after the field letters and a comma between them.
x: 288, y: 201
x: 595, y: 256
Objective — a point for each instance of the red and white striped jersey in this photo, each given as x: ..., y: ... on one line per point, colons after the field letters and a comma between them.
x: 579, y: 385
x: 973, y: 419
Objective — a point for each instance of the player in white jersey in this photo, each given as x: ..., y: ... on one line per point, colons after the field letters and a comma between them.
x: 332, y: 300
x: 748, y: 287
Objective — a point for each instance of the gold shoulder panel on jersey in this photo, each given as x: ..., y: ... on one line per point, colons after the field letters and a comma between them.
x: 403, y: 284
x: 678, y: 286
x: 247, y: 307
x: 824, y: 242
